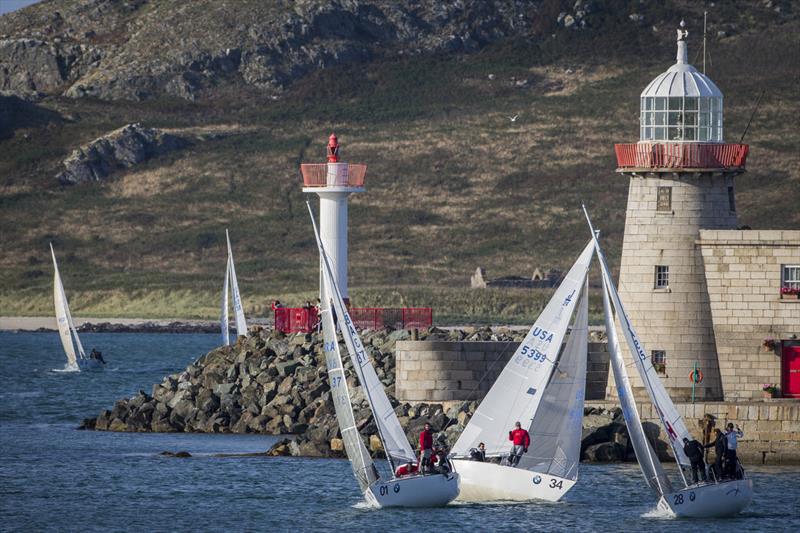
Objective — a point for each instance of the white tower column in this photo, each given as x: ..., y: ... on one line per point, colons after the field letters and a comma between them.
x: 333, y: 232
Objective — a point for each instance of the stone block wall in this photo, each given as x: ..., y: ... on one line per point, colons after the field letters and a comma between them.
x: 443, y: 371
x: 743, y: 275
x: 771, y: 428
x: 676, y: 319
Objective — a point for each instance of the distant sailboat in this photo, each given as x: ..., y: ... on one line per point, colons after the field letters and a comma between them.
x: 543, y: 388
x: 431, y: 490
x: 230, y: 281
x: 66, y: 328
x: 703, y: 500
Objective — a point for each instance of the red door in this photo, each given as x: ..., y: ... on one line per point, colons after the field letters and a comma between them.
x: 790, y: 375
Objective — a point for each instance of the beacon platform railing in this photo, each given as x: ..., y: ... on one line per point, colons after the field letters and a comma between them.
x: 681, y: 156
x: 333, y: 175
x: 305, y: 319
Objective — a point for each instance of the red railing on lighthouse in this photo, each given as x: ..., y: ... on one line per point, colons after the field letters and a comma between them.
x: 333, y: 174
x: 681, y: 156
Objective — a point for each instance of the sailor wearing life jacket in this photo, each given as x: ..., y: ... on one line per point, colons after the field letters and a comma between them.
x: 520, y: 441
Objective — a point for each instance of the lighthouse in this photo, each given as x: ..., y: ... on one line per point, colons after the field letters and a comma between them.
x: 334, y: 181
x: 681, y: 175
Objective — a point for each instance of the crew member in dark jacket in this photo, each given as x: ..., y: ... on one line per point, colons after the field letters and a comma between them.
x: 694, y: 451
x: 720, y: 445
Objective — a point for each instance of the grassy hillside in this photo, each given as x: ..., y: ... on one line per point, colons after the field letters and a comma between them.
x: 452, y: 183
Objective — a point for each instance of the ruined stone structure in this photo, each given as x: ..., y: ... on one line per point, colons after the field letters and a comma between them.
x: 538, y: 280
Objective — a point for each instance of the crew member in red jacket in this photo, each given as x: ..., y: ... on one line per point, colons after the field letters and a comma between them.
x: 425, y: 449
x: 520, y: 441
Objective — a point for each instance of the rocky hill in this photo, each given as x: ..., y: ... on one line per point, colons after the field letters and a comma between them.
x: 421, y: 91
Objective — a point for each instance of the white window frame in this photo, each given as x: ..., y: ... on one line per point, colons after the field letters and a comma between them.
x: 662, y: 360
x: 681, y: 119
x: 790, y: 276
x: 661, y: 278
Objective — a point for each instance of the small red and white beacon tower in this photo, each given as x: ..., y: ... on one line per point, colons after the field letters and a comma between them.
x: 333, y: 182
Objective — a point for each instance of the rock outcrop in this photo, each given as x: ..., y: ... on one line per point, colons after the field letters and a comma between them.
x: 121, y: 149
x: 138, y: 50
x: 275, y: 384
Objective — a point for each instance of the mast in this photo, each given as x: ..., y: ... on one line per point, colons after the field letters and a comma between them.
x: 334, y: 295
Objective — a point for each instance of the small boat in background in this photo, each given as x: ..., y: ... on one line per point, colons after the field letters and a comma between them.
x: 76, y: 360
x: 238, y: 312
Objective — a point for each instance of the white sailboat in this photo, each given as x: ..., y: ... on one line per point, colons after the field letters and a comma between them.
x: 238, y: 312
x: 702, y: 500
x: 66, y: 328
x: 410, y: 491
x: 542, y: 387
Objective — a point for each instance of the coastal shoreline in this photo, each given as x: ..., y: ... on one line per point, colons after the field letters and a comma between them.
x: 115, y: 325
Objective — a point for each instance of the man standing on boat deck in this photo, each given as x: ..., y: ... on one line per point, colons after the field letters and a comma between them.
x: 720, y: 445
x: 694, y: 451
x: 520, y: 441
x: 732, y: 436
x: 425, y: 448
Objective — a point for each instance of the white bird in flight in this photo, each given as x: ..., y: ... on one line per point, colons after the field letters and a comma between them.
x: 514, y: 118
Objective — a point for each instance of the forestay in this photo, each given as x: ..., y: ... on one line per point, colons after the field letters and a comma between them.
x: 671, y: 420
x: 517, y: 393
x: 238, y: 312
x: 651, y: 467
x: 557, y: 426
x: 360, y: 460
x: 391, y: 432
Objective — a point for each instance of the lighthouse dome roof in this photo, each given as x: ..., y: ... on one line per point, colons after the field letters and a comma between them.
x: 682, y: 79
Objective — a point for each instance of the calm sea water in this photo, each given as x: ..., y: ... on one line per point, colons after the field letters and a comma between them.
x: 55, y: 478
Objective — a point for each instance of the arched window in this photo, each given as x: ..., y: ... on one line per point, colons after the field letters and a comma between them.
x: 681, y: 118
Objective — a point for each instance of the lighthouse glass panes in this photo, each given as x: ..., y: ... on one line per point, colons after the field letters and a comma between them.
x: 681, y: 118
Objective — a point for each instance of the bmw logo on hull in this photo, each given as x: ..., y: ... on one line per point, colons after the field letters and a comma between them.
x: 537, y: 480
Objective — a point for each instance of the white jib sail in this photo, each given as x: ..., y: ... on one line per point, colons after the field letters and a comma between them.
x: 223, y: 315
x: 651, y: 467
x: 671, y: 420
x: 390, y: 431
x: 60, y: 302
x: 517, y: 393
x: 557, y: 427
x: 238, y: 312
x: 360, y: 460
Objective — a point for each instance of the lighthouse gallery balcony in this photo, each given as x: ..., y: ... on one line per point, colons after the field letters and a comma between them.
x: 680, y: 156
x: 333, y: 175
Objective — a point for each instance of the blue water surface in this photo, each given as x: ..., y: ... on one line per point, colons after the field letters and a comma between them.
x: 56, y: 478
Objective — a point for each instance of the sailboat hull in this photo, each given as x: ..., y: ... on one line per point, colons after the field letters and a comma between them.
x: 481, y: 482
x: 710, y: 500
x: 416, y: 491
x: 90, y: 364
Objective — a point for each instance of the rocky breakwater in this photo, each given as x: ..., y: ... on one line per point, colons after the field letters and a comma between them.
x: 274, y: 384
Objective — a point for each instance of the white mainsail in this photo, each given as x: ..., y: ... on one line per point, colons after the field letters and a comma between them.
x: 360, y: 460
x: 238, y: 312
x: 557, y: 426
x: 518, y: 391
x: 671, y: 420
x: 395, y: 443
x: 223, y: 317
x: 66, y: 328
x: 651, y: 467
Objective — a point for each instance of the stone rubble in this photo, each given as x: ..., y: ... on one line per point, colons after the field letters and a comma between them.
x: 276, y: 384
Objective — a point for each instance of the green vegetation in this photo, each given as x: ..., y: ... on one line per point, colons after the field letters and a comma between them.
x: 452, y: 183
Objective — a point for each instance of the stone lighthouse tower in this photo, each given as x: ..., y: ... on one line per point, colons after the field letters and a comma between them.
x: 333, y: 182
x: 681, y: 181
